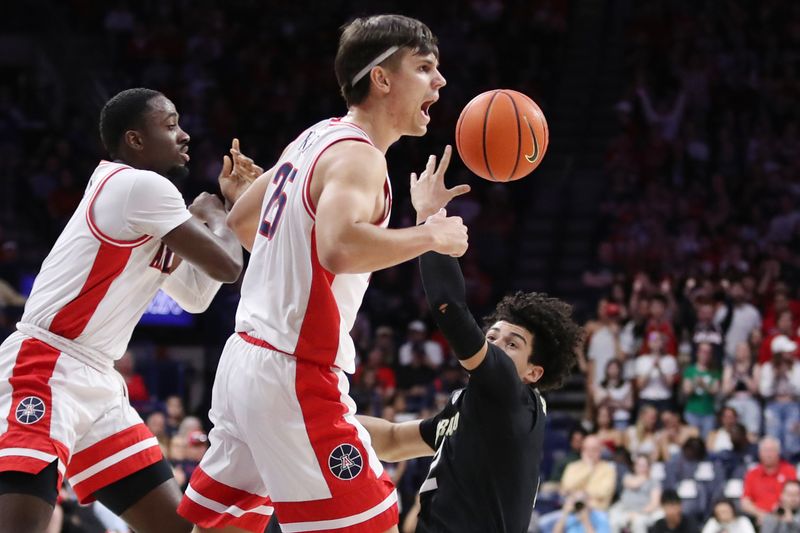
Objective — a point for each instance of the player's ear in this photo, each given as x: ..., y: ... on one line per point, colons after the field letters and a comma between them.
x: 533, y: 373
x: 133, y: 139
x: 379, y: 79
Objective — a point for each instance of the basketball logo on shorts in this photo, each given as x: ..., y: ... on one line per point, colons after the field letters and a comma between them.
x: 345, y: 462
x: 30, y: 410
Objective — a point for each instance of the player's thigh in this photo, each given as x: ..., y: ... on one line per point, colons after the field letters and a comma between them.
x: 27, y: 500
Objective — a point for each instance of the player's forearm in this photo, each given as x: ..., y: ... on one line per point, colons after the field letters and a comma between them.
x: 227, y: 239
x: 446, y: 293
x: 363, y: 247
x: 380, y: 432
x: 395, y: 442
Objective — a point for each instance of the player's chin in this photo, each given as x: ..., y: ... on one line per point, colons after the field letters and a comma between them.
x: 178, y: 171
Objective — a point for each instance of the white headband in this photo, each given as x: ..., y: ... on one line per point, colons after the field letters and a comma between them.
x: 374, y: 63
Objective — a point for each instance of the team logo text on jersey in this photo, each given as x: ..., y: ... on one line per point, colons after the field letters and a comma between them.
x: 163, y: 259
x: 30, y: 410
x: 345, y: 462
x: 446, y: 427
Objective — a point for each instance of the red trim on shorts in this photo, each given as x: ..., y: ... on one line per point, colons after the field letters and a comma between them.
x: 225, y: 494
x: 93, y: 225
x: 318, y: 394
x: 318, y: 340
x: 31, y: 375
x: 102, y: 450
x: 258, y: 342
x: 228, y: 496
x: 307, y: 202
x: 206, y: 518
x: 72, y: 319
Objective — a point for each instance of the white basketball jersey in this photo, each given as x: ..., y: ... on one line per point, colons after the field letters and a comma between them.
x: 93, y: 289
x: 288, y: 299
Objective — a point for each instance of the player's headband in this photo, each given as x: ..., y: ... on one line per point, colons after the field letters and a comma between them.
x: 372, y: 64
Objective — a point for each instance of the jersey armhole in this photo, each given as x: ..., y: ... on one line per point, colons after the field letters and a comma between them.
x: 93, y: 227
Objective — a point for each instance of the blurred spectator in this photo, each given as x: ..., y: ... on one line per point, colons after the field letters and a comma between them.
x: 576, y: 437
x: 673, y: 434
x: 763, y: 484
x: 674, y: 520
x: 590, y: 481
x: 659, y: 322
x: 615, y: 392
x: 189, y: 424
x: 578, y: 517
x: 175, y: 414
x: 610, y: 437
x: 157, y: 424
x: 639, y: 504
x: 385, y: 379
x: 137, y: 390
x: 737, y: 318
x: 417, y: 340
x: 694, y: 477
x: 603, y: 341
x: 779, y: 385
x: 725, y: 520
x: 706, y: 331
x: 656, y: 374
x: 196, y: 446
x: 641, y: 437
x: 719, y: 440
x: 786, y: 518
x: 740, y: 388
x: 416, y: 379
x: 700, y: 385
x: 785, y: 327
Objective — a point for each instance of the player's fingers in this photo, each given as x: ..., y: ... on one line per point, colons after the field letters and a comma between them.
x: 413, y: 180
x: 430, y: 167
x: 458, y: 190
x: 226, y: 166
x: 445, y: 161
x: 259, y: 170
x: 235, y: 144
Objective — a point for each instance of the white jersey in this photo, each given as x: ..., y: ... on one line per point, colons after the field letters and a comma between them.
x: 288, y: 299
x: 106, y: 265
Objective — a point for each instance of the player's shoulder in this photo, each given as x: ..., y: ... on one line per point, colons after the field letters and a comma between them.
x: 353, y: 158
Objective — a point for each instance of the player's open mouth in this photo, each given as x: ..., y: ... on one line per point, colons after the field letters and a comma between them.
x: 185, y: 153
x: 426, y: 106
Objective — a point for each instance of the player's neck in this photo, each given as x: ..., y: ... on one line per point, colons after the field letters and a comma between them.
x: 375, y: 124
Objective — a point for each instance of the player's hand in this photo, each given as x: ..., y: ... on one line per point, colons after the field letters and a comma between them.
x: 428, y: 192
x: 238, y: 172
x: 449, y: 233
x: 207, y: 206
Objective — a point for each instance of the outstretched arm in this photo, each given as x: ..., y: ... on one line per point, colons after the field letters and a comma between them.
x: 394, y: 442
x: 447, y: 298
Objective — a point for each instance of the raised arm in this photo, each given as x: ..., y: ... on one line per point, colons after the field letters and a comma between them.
x: 348, y: 189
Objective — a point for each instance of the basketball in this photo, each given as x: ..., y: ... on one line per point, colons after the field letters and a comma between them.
x: 502, y: 135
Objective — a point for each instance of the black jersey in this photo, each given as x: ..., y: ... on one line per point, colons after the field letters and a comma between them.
x: 488, y: 441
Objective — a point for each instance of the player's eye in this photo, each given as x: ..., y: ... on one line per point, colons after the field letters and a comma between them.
x: 512, y: 345
x: 172, y: 126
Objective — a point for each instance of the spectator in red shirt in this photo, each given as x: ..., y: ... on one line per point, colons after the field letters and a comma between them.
x: 763, y: 483
x: 784, y: 326
x: 659, y: 322
x: 137, y: 390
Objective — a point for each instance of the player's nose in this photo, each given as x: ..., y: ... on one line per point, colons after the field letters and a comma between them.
x: 439, y: 81
x: 183, y: 137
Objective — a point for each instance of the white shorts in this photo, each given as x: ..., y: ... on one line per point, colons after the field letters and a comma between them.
x: 285, y: 438
x: 56, y: 408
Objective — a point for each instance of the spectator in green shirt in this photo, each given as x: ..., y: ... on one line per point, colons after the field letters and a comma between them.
x: 700, y: 386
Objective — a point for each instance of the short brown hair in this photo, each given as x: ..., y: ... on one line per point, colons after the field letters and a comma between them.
x: 364, y: 39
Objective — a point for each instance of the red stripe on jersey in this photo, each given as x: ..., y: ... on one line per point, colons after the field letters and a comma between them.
x: 319, y: 335
x: 106, y: 447
x: 109, y: 263
x: 96, y: 230
x: 29, y: 381
x: 207, y: 519
x: 323, y: 413
x: 307, y: 202
x: 225, y: 494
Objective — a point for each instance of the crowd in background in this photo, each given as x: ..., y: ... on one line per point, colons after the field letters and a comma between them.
x: 692, y: 366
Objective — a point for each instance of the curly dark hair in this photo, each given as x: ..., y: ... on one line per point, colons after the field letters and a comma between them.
x: 556, y: 336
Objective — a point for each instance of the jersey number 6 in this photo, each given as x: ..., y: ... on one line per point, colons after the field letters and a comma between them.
x: 277, y: 202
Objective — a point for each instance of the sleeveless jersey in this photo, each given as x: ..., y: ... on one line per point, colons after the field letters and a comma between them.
x: 288, y: 299
x: 93, y: 289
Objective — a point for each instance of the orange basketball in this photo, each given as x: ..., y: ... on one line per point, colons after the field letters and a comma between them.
x: 502, y: 135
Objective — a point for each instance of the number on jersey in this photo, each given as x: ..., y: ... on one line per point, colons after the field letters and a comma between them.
x: 277, y: 202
